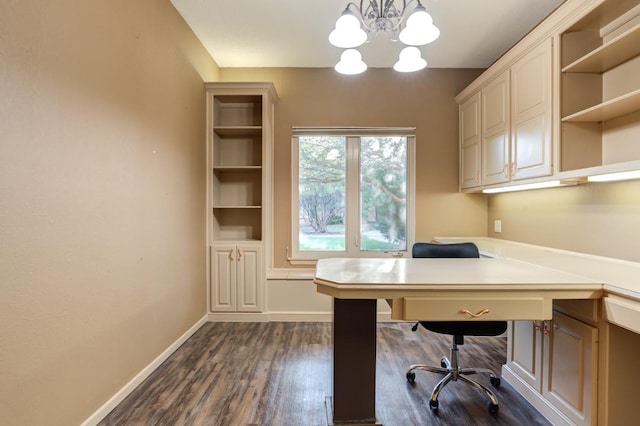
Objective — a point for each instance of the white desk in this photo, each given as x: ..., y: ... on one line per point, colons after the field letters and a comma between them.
x: 426, y: 289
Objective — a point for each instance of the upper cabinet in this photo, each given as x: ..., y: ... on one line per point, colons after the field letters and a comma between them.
x: 514, y: 110
x: 495, y: 130
x: 563, y: 104
x: 470, y: 142
x: 531, y: 114
x: 600, y: 89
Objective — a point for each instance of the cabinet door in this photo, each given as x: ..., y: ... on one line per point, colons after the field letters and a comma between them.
x: 222, y: 291
x: 249, y: 278
x: 495, y: 130
x: 531, y: 114
x: 470, y: 143
x: 572, y: 370
x: 525, y: 352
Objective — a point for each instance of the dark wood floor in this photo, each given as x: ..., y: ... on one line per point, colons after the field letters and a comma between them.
x: 280, y: 374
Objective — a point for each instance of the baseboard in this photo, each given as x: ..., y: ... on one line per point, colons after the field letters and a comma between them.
x: 543, y: 406
x: 237, y: 317
x: 119, y: 396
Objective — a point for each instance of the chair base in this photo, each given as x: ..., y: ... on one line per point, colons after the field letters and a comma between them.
x: 453, y: 373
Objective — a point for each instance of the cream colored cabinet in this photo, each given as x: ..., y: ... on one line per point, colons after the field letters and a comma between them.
x: 470, y: 143
x: 495, y: 130
x: 239, y: 156
x: 572, y: 369
x: 236, y: 278
x: 516, y: 130
x: 555, y: 365
x: 514, y: 111
x: 530, y: 154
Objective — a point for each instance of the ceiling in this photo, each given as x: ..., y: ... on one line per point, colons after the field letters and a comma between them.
x: 294, y: 33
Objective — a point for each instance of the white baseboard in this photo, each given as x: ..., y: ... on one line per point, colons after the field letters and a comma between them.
x: 119, y: 396
x: 237, y: 317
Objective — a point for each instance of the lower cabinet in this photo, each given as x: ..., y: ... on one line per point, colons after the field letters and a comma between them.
x: 554, y: 364
x: 236, y: 278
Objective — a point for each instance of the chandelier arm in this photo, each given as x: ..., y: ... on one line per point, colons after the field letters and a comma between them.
x: 355, y: 10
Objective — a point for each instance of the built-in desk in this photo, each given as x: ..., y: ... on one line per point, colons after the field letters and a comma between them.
x: 608, y: 393
x: 427, y: 289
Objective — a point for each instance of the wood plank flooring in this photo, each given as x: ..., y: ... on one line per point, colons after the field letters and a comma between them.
x: 279, y: 373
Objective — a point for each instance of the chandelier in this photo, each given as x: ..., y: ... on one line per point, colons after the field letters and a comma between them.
x: 361, y: 24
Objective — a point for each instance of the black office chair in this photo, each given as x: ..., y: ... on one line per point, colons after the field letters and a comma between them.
x: 457, y: 329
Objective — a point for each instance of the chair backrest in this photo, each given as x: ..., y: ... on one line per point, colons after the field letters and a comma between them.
x: 445, y: 250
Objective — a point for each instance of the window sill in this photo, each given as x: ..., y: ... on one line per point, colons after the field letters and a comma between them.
x: 292, y: 274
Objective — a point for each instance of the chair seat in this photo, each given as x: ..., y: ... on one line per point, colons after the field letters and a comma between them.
x: 466, y: 328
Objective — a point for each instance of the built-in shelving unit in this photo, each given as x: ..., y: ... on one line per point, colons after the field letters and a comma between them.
x: 239, y: 145
x: 600, y: 89
x: 237, y: 158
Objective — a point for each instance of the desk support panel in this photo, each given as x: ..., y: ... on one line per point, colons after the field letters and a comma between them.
x: 354, y: 360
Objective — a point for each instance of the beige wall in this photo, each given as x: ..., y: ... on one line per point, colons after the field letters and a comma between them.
x: 379, y: 97
x: 601, y: 219
x: 102, y: 206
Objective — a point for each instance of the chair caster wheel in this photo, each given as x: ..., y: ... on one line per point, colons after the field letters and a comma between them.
x: 493, y: 408
x: 433, y: 405
x: 495, y: 382
x: 411, y: 377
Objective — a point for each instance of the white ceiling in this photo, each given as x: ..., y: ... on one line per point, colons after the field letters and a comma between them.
x: 293, y: 33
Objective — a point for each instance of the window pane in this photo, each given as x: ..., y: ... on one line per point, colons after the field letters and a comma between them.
x: 383, y: 193
x: 321, y: 181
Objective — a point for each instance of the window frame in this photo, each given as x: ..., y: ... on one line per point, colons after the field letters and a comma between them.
x: 352, y: 203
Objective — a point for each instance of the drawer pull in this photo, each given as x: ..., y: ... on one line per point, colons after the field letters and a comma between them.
x: 472, y: 315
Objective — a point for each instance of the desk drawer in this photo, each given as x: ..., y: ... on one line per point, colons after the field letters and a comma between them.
x: 464, y: 308
x: 622, y: 312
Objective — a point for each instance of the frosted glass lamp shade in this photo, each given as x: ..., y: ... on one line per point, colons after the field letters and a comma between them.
x: 419, y: 29
x: 410, y: 60
x: 347, y: 33
x: 351, y: 63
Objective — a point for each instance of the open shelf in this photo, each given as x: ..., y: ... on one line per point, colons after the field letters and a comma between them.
x: 600, y: 90
x: 608, y: 110
x: 238, y: 130
x: 236, y: 224
x: 611, y: 54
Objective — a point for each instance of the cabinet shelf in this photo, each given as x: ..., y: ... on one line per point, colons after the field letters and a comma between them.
x: 611, y: 54
x: 238, y: 130
x: 613, y: 108
x: 219, y: 207
x: 223, y: 169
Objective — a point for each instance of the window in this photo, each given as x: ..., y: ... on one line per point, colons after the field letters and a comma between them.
x: 352, y: 192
